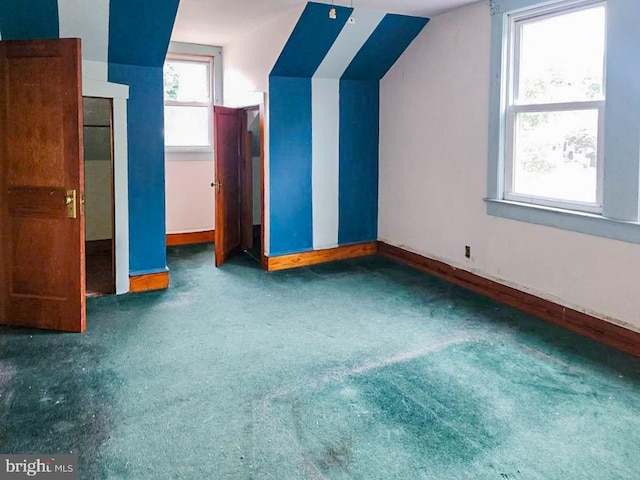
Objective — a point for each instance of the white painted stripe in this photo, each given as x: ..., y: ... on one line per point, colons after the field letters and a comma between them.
x: 88, y: 20
x: 121, y: 194
x: 325, y: 108
x: 351, y: 39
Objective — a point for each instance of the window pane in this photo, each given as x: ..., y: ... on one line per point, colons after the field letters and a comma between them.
x: 556, y: 155
x: 562, y: 58
x: 186, y: 81
x: 186, y: 126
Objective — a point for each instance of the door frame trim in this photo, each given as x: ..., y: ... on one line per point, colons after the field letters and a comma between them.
x: 119, y: 94
x: 263, y: 228
x: 261, y: 108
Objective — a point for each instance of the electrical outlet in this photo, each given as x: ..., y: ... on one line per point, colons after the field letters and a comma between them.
x: 467, y: 251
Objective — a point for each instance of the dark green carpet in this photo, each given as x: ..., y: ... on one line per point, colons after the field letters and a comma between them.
x: 357, y: 370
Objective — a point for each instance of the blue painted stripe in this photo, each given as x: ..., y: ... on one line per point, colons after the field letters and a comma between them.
x: 29, y: 20
x: 383, y: 48
x: 139, y: 31
x: 310, y: 41
x: 147, y: 251
x: 359, y: 143
x: 290, y: 151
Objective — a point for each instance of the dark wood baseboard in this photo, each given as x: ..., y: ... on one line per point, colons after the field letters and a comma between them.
x: 285, y: 262
x: 192, y: 238
x: 98, y: 247
x: 151, y: 281
x: 589, y: 326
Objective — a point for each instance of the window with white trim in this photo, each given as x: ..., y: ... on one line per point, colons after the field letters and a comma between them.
x: 555, y: 106
x: 188, y: 102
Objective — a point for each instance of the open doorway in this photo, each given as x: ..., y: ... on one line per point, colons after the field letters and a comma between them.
x: 252, y: 185
x: 239, y: 180
x: 99, y: 192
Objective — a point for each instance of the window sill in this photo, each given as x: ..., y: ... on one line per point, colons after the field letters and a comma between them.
x: 589, y: 223
x: 191, y: 154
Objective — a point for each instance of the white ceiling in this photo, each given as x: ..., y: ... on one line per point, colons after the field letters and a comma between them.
x: 218, y: 22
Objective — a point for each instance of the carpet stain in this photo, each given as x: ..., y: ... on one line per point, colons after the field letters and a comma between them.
x: 426, y: 414
x: 66, y: 410
x: 432, y: 416
x: 335, y: 456
x: 437, y: 414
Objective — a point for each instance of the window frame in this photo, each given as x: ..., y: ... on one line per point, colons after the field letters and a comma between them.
x: 620, y: 219
x: 209, y: 61
x: 513, y: 107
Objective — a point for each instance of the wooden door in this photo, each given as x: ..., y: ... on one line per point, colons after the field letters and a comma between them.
x: 228, y: 139
x: 42, y: 182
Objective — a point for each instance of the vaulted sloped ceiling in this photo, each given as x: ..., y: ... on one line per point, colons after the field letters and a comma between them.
x: 220, y: 22
x: 129, y: 32
x: 324, y: 116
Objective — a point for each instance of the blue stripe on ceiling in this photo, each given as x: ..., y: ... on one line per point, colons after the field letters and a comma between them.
x: 310, y: 40
x: 359, y: 143
x: 139, y: 31
x: 290, y: 165
x: 384, y: 47
x: 29, y: 20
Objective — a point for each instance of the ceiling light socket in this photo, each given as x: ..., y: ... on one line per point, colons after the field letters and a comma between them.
x: 332, y: 14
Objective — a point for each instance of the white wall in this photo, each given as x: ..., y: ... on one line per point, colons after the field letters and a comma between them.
x: 98, y: 168
x: 433, y: 178
x: 189, y: 195
x: 247, y: 64
x: 98, y: 185
x: 253, y: 125
x: 249, y: 60
x: 257, y: 192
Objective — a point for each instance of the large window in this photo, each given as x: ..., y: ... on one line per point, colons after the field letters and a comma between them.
x: 555, y: 106
x: 188, y: 104
x: 564, y: 148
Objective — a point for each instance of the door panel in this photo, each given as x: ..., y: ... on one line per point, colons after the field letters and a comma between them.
x: 41, y: 248
x: 228, y: 126
x: 44, y: 236
x: 37, y: 140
